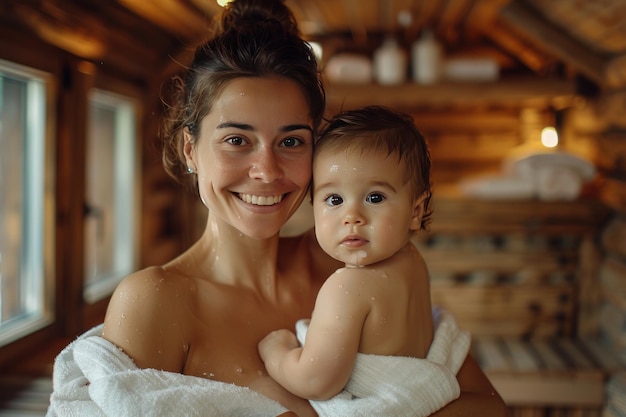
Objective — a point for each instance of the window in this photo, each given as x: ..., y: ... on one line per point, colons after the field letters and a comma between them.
x: 111, y: 184
x: 26, y: 202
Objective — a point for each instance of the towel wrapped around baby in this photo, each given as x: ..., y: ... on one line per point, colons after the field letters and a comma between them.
x: 92, y: 377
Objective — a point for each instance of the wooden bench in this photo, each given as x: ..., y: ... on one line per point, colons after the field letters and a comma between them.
x: 522, y: 277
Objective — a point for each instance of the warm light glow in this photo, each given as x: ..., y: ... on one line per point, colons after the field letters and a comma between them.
x: 549, y: 137
x: 223, y: 3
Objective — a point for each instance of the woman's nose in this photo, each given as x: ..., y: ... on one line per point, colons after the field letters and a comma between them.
x: 266, y: 167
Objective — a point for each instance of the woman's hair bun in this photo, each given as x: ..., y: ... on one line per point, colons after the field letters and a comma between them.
x: 243, y: 15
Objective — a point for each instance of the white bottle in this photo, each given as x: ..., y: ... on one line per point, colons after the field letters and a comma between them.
x: 426, y: 57
x: 390, y: 63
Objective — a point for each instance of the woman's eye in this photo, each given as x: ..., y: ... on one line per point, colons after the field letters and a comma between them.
x: 334, y: 200
x: 236, y: 140
x: 291, y: 142
x: 375, y: 198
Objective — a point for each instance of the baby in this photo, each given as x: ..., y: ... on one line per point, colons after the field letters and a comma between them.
x: 371, y: 192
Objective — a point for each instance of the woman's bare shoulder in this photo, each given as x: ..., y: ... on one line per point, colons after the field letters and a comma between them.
x: 145, y: 316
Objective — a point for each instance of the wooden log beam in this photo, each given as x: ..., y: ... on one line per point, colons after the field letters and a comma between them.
x: 75, y: 40
x: 546, y: 36
x: 518, y: 48
x: 170, y: 15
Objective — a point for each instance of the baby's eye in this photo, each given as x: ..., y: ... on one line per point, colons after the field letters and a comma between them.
x: 375, y: 198
x: 291, y: 142
x: 334, y: 200
x: 236, y: 140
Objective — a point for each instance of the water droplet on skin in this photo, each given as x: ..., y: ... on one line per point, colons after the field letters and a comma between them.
x: 160, y: 352
x: 123, y: 315
x: 337, y: 317
x: 185, y: 348
x: 340, y: 285
x: 239, y: 370
x: 373, y: 298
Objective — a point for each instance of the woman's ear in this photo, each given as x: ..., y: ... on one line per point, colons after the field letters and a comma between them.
x: 188, y: 148
x: 418, y: 211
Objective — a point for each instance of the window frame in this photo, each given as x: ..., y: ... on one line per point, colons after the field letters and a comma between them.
x: 130, y: 226
x: 45, y: 195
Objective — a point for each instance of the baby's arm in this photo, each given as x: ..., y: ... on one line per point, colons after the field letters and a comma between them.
x: 321, y: 368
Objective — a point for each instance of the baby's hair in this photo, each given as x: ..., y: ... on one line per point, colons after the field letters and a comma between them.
x: 380, y: 129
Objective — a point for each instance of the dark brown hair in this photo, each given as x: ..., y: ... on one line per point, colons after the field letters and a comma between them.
x: 380, y: 129
x: 251, y: 38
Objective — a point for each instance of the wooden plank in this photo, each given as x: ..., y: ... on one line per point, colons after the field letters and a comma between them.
x: 614, y: 237
x: 458, y: 214
x: 465, y: 261
x: 589, y: 292
x: 606, y: 360
x: 577, y: 358
x: 523, y: 358
x: 537, y: 390
x: 514, y: 310
x: 613, y: 193
x: 490, y: 356
x: 550, y: 359
x: 613, y: 278
x: 610, y: 146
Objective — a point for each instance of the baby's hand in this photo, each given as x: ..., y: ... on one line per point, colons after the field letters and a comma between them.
x: 276, y: 344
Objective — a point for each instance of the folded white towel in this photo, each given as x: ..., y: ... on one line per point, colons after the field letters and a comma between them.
x: 388, y: 386
x: 92, y: 377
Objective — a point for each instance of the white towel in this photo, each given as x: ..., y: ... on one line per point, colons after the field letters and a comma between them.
x: 389, y: 386
x: 93, y: 378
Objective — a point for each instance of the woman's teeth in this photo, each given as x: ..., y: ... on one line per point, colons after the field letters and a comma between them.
x: 261, y: 200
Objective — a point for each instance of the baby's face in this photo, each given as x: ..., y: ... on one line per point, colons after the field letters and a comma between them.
x: 364, y: 211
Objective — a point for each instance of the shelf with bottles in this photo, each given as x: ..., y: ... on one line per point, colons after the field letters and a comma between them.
x: 513, y: 92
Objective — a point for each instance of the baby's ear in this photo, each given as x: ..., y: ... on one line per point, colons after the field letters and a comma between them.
x: 418, y: 211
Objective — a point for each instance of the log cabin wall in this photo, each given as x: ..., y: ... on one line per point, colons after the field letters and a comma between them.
x: 525, y: 270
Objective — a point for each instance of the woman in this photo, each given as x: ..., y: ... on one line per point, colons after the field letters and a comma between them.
x: 243, y: 131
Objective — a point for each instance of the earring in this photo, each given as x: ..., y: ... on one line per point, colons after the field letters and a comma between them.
x: 190, y: 170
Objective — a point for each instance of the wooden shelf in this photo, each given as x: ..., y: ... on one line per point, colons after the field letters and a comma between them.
x: 539, y: 93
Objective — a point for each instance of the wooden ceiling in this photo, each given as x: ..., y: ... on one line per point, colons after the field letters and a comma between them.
x: 557, y: 38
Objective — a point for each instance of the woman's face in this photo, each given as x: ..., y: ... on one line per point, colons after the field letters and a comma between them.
x: 253, y: 154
